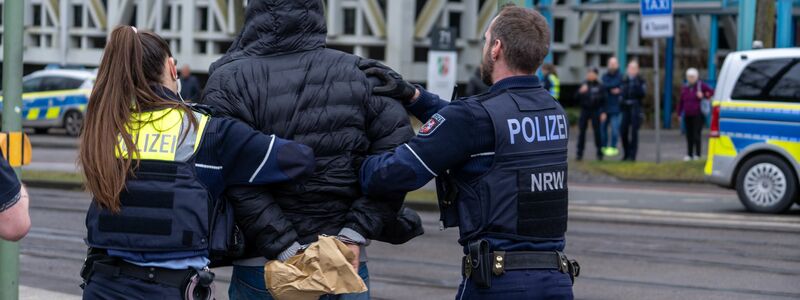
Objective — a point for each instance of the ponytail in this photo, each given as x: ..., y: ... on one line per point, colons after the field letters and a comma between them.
x: 132, y: 61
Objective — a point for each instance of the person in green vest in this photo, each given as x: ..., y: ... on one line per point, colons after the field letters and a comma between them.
x: 550, y: 79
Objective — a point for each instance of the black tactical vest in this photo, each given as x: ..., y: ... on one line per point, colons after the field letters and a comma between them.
x: 523, y: 196
x: 164, y: 205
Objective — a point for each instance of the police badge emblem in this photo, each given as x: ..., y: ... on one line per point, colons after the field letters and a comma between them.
x: 429, y: 127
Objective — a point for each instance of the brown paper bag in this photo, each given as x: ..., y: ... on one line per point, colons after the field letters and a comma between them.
x: 323, y: 268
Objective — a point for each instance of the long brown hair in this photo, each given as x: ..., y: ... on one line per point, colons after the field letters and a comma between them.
x: 132, y: 62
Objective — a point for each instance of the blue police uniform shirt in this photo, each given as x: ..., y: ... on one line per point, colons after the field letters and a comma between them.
x: 458, y: 135
x: 9, y: 186
x: 233, y: 154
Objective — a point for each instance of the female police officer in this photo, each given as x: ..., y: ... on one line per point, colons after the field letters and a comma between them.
x: 156, y: 168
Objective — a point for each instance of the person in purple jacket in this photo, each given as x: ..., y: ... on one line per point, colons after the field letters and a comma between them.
x: 692, y: 94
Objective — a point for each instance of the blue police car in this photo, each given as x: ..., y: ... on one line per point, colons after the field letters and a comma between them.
x: 56, y: 99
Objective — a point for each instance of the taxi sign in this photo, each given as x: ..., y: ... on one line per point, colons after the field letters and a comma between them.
x: 656, y: 21
x: 16, y: 148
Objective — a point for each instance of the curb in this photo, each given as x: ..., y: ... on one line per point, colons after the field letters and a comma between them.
x: 58, y: 185
x: 55, y: 145
x: 421, y: 206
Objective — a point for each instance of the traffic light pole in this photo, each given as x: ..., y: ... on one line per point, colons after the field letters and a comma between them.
x: 12, y: 107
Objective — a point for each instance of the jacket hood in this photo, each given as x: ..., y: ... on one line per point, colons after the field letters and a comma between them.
x: 274, y: 27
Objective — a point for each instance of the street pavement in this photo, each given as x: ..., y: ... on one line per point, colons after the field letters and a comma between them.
x: 633, y: 242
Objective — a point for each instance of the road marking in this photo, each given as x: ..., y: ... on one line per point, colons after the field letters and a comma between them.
x: 665, y: 217
x: 644, y: 190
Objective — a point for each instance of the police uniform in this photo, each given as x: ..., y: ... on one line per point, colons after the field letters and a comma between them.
x: 553, y: 85
x: 171, y: 220
x: 500, y: 162
x: 10, y: 186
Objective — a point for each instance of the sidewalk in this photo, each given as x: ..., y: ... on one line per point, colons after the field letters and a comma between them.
x: 673, y: 145
x: 31, y: 293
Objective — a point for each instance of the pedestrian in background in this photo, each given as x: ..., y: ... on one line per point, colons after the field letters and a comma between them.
x: 612, y: 83
x: 690, y: 105
x: 551, y: 82
x: 591, y: 97
x: 189, y: 85
x: 634, y: 89
x: 14, y: 218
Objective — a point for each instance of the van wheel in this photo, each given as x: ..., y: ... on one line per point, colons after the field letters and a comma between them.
x: 766, y: 184
x: 73, y: 122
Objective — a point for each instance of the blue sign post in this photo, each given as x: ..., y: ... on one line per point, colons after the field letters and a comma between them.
x: 656, y: 24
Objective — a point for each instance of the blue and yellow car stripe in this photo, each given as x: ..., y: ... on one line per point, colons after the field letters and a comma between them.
x: 744, y: 123
x: 52, y: 105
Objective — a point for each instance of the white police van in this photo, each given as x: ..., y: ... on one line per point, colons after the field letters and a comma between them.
x: 56, y: 98
x: 754, y: 145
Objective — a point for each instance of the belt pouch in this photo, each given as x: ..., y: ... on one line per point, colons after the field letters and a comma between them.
x: 479, y: 258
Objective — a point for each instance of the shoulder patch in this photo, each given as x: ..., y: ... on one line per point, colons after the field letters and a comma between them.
x: 429, y: 127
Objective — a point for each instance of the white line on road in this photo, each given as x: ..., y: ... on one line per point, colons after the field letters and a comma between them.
x: 658, y: 191
x: 654, y: 216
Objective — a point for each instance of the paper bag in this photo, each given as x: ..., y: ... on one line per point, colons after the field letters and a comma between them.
x: 324, y: 268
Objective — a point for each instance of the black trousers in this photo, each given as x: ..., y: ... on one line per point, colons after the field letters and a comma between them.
x: 694, y: 128
x: 583, y: 122
x: 631, y: 121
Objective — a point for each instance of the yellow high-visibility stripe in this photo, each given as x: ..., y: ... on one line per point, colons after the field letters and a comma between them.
x: 54, y: 93
x: 741, y: 103
x: 53, y: 112
x: 201, y: 127
x: 721, y: 146
x: 33, y: 114
x: 57, y: 93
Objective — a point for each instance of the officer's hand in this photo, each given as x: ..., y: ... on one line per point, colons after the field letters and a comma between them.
x: 584, y: 89
x: 616, y: 91
x: 603, y: 117
x: 392, y: 84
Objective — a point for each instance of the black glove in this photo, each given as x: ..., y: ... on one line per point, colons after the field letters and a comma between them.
x: 392, y: 84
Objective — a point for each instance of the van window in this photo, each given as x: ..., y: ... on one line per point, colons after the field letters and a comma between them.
x: 769, y: 80
x: 60, y: 83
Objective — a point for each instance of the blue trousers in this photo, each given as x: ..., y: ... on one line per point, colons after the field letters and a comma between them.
x: 613, y: 120
x: 521, y: 285
x: 102, y: 286
x: 247, y: 283
x: 631, y: 121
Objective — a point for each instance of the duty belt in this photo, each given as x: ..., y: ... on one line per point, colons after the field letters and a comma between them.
x: 479, y: 264
x: 195, y: 284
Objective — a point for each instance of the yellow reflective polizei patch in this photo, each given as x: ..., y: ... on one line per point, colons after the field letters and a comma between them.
x: 53, y: 112
x: 156, y: 134
x: 161, y: 135
x: 33, y: 114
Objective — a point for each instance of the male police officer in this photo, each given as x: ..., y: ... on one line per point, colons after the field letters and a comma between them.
x: 500, y: 160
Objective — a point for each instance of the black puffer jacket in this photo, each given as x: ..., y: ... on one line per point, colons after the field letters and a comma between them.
x: 279, y: 78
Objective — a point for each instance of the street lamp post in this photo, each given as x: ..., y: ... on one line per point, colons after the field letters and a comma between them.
x: 12, y: 103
